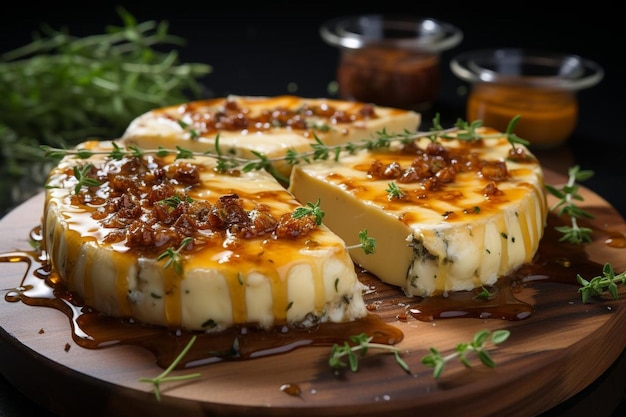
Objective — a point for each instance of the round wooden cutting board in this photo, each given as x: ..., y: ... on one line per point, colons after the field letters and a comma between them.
x: 552, y: 355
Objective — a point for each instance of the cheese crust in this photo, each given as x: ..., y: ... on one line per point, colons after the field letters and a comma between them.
x: 270, y: 126
x: 458, y: 215
x: 117, y: 244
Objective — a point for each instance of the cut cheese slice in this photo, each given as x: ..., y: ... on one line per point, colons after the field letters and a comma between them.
x: 178, y: 243
x: 270, y: 126
x: 447, y: 216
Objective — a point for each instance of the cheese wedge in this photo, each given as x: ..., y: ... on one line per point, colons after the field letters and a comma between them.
x: 270, y: 126
x: 115, y: 232
x: 446, y: 216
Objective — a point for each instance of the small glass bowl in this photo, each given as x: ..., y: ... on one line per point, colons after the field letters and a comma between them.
x: 539, y: 86
x: 390, y: 60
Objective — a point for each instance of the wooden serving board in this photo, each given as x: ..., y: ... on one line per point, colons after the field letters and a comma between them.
x: 555, y: 353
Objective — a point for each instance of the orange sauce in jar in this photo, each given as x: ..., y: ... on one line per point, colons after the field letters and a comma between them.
x: 389, y: 77
x: 548, y: 116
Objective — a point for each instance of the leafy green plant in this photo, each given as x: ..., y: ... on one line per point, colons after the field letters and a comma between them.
x: 61, y: 89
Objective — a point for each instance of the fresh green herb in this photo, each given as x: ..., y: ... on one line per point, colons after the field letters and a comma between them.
x: 223, y: 164
x: 567, y: 195
x: 175, y: 200
x: 310, y: 210
x: 394, y: 192
x: 83, y: 180
x: 598, y: 285
x: 182, y: 153
x: 512, y: 137
x: 118, y: 153
x: 263, y: 162
x: 61, y: 89
x: 319, y: 151
x: 468, y: 131
x: 478, y: 345
x: 484, y: 294
x: 164, y: 376
x: 360, y: 344
x: 174, y: 257
x: 193, y: 133
x: 368, y: 244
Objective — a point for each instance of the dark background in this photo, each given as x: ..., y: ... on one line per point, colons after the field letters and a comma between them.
x: 262, y: 48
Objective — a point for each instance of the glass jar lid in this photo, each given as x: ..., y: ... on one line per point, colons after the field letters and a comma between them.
x: 425, y: 34
x: 527, y: 67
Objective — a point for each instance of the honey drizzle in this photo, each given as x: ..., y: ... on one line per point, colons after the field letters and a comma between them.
x: 40, y: 286
x: 554, y: 263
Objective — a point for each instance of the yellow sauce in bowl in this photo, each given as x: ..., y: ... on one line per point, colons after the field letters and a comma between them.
x: 548, y: 116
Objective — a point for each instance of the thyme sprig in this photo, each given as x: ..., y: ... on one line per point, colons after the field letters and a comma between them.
x: 311, y: 209
x: 174, y: 258
x: 567, y: 195
x: 82, y: 178
x: 367, y: 243
x: 319, y: 151
x: 164, y: 376
x: 360, y: 345
x: 394, y: 192
x: 437, y: 361
x: 468, y: 131
x: 597, y: 286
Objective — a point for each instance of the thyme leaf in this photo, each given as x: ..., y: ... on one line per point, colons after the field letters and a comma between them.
x: 367, y: 243
x: 223, y: 164
x: 436, y: 360
x: 360, y: 344
x: 164, y: 376
x: 175, y: 200
x: 83, y: 180
x: 484, y: 294
x: 596, y: 286
x: 174, y: 258
x: 311, y: 209
x: 394, y: 192
x: 565, y: 205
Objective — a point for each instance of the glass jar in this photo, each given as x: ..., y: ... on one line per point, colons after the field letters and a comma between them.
x: 539, y: 86
x: 390, y: 60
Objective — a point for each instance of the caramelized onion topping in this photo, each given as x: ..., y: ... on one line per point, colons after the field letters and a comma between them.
x: 145, y: 203
x: 233, y: 117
